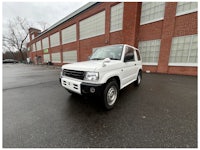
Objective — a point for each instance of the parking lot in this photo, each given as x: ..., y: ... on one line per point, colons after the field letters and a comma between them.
x: 38, y: 112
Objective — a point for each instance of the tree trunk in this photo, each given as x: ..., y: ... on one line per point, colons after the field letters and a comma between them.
x: 22, y: 56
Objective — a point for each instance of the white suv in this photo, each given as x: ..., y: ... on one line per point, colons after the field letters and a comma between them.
x: 109, y: 69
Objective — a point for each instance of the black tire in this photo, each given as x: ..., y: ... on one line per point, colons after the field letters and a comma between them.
x: 139, y: 79
x: 110, y: 94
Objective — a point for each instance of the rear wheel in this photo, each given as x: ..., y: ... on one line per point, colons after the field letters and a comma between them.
x: 139, y: 79
x: 110, y: 94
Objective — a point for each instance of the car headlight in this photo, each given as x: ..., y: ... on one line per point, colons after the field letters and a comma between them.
x: 91, y: 76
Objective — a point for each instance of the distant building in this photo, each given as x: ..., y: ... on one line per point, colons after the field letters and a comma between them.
x: 165, y: 32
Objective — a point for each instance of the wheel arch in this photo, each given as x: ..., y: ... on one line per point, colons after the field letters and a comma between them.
x: 116, y: 78
x: 140, y: 71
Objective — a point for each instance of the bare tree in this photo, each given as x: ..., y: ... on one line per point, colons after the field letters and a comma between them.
x: 43, y: 25
x: 8, y: 49
x: 17, y: 37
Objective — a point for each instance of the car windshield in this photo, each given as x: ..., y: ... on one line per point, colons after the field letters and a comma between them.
x: 113, y: 52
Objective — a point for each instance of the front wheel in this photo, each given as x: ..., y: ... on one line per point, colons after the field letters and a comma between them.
x: 110, y: 94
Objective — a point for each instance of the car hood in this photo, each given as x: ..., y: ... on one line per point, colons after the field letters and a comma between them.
x: 92, y: 65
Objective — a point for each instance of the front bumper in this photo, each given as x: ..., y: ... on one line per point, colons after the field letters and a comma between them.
x: 82, y: 88
x: 72, y: 85
x: 92, y: 89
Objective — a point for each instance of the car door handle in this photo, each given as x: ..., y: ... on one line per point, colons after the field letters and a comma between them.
x: 135, y: 64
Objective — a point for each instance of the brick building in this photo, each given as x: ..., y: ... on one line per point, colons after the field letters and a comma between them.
x: 165, y: 32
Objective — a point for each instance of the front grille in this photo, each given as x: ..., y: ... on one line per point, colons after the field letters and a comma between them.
x: 74, y: 74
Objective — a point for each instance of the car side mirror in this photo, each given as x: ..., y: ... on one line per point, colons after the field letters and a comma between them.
x: 89, y: 57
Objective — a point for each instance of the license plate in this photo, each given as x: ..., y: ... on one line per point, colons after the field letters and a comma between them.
x: 68, y: 83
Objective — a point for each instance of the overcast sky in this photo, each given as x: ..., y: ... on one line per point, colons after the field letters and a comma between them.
x: 34, y: 12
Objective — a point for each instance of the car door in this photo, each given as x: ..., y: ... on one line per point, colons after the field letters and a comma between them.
x: 129, y: 71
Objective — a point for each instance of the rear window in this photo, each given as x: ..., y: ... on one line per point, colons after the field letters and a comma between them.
x: 138, y: 55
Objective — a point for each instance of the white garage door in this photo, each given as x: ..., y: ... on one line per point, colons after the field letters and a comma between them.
x: 56, y: 57
x: 46, y: 57
x: 70, y: 56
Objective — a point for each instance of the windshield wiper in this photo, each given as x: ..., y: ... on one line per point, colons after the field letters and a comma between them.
x: 103, y: 58
x: 96, y: 59
x: 114, y: 58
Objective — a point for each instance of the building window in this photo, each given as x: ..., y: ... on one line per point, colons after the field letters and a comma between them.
x: 184, y: 51
x: 70, y: 56
x: 46, y: 58
x: 55, y: 39
x: 56, y: 57
x: 45, y: 43
x: 152, y: 11
x: 33, y: 47
x: 32, y: 36
x: 186, y: 7
x: 38, y: 45
x: 92, y: 26
x: 150, y: 51
x: 69, y: 34
x: 116, y: 22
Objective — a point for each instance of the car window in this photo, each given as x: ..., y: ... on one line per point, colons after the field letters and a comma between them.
x: 129, y: 54
x: 113, y: 52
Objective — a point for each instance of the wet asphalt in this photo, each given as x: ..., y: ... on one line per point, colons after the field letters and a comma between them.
x: 38, y: 112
